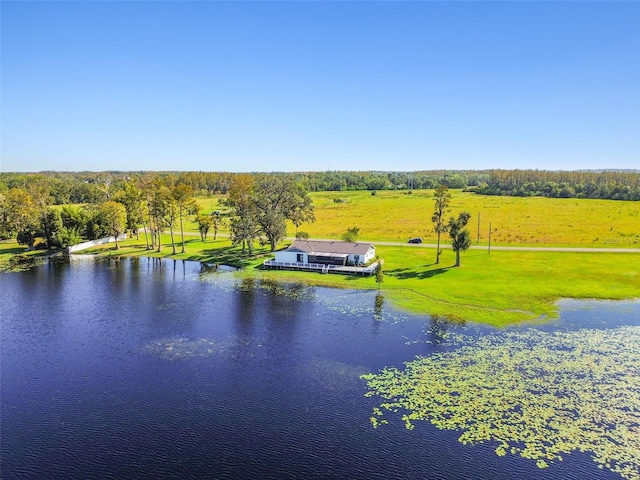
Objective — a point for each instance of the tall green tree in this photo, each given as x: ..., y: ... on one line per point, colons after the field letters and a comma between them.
x: 94, y: 227
x: 74, y: 218
x: 276, y: 199
x: 244, y: 231
x: 216, y: 221
x: 51, y: 226
x: 240, y: 190
x: 149, y: 187
x: 114, y: 218
x: 302, y: 211
x: 243, y: 227
x: 132, y: 198
x: 379, y: 273
x: 164, y: 211
x: 460, y: 236
x: 442, y: 198
x: 204, y: 224
x: 185, y: 203
x: 4, y: 233
x: 21, y: 216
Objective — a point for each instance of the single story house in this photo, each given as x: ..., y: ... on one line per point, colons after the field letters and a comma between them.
x: 327, y: 253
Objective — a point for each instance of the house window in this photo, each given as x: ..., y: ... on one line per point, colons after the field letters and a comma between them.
x: 300, y: 258
x: 356, y: 258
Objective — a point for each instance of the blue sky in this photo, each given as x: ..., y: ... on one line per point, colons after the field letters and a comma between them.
x: 292, y: 86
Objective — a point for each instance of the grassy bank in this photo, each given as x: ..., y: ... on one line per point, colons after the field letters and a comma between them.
x: 499, y: 288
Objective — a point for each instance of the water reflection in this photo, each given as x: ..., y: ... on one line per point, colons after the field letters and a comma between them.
x: 440, y: 328
x: 217, y: 267
x: 245, y: 304
x: 377, y: 307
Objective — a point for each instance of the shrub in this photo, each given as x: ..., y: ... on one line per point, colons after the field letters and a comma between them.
x: 351, y: 235
x: 68, y: 237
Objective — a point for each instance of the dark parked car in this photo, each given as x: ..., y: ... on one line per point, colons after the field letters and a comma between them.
x: 415, y: 240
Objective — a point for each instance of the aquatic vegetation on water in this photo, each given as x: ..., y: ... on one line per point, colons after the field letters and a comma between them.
x: 22, y: 263
x: 536, y: 394
x: 361, y: 306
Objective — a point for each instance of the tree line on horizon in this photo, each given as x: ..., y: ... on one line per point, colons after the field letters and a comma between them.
x: 85, y: 187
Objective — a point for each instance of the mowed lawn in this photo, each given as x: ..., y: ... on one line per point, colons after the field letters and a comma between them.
x: 536, y: 221
x: 505, y: 287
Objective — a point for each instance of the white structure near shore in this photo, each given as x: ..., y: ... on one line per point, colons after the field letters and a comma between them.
x: 327, y: 253
x: 94, y: 243
x: 327, y: 257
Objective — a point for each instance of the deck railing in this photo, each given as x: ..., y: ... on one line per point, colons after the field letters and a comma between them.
x: 324, y: 268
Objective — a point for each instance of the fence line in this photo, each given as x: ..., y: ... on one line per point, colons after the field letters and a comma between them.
x: 94, y: 243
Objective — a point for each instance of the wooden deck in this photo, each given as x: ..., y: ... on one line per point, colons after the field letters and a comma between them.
x: 320, y: 268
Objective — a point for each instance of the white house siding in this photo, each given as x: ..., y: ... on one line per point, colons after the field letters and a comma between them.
x: 370, y: 255
x: 330, y: 250
x: 363, y: 258
x: 287, y: 256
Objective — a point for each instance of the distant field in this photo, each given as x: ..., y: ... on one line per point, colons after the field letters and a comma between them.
x: 536, y: 221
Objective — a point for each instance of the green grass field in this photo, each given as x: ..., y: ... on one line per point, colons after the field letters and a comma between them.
x: 498, y: 288
x: 536, y: 221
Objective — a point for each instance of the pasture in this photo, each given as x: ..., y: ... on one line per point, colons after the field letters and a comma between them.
x: 527, y: 221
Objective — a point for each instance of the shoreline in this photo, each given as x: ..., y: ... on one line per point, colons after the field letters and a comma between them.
x: 510, y: 286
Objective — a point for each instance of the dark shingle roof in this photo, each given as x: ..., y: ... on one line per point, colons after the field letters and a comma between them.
x: 319, y: 246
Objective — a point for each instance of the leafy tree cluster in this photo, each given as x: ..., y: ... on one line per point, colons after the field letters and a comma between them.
x: 26, y: 217
x: 152, y: 204
x: 155, y: 203
x: 262, y: 205
x: 611, y: 185
x: 340, y: 181
x: 92, y: 187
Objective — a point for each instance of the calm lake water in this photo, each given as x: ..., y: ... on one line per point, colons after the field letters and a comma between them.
x: 142, y: 368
